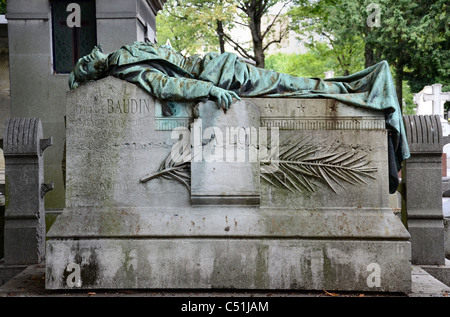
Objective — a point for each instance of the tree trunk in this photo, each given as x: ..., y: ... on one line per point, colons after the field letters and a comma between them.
x: 369, y: 55
x: 254, y: 13
x: 220, y: 34
x: 259, y: 55
x: 258, y: 52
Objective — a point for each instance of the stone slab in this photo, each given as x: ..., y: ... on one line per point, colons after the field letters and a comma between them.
x: 228, y: 221
x: 7, y: 272
x: 441, y: 272
x: 422, y: 174
x: 111, y: 144
x: 224, y: 263
x: 224, y: 166
x: 426, y: 285
x: 427, y: 241
x: 24, y: 229
x: 31, y: 283
x: 229, y: 247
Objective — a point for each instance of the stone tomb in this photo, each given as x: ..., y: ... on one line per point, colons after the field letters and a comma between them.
x: 274, y: 194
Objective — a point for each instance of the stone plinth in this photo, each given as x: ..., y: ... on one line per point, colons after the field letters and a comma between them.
x: 23, y: 149
x: 142, y: 213
x: 422, y: 175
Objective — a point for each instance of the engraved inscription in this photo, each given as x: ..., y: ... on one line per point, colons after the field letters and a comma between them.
x: 129, y: 106
x: 122, y: 106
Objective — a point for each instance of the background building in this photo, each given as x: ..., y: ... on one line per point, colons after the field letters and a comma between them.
x: 45, y: 39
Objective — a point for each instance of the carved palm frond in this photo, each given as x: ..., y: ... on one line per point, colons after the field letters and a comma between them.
x: 299, y: 163
x: 297, y: 166
x: 176, y: 166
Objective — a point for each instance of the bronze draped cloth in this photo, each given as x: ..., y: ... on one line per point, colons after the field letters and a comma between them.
x: 168, y: 75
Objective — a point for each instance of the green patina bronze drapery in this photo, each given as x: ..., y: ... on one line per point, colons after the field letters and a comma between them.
x: 168, y: 75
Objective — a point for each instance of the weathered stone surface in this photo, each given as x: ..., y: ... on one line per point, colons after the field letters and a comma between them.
x: 447, y: 237
x: 224, y: 263
x: 315, y: 227
x: 423, y: 195
x: 224, y: 164
x: 111, y: 144
x: 23, y: 149
x: 229, y: 222
x: 230, y: 247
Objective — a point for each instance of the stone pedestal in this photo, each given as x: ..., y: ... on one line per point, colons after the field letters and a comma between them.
x: 141, y: 212
x: 24, y: 221
x: 422, y: 175
x: 23, y: 149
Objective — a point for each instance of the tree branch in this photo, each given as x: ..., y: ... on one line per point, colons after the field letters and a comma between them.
x: 283, y: 34
x: 240, y: 23
x: 238, y: 47
x: 270, y: 43
x: 328, y: 37
x: 242, y: 5
x: 275, y: 19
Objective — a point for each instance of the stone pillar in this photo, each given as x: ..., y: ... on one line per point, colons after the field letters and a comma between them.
x: 422, y: 194
x: 123, y: 22
x: 23, y: 148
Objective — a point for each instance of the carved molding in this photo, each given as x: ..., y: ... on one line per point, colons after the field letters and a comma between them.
x: 325, y: 123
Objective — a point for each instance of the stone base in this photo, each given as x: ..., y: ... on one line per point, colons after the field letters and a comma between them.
x: 427, y: 240
x: 229, y: 248
x: 441, y: 272
x: 447, y: 237
x: 7, y: 272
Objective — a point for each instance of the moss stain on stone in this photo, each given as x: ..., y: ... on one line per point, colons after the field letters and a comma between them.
x: 262, y: 266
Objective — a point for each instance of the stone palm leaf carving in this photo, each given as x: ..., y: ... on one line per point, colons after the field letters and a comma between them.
x: 300, y: 163
x: 298, y: 166
x: 176, y: 166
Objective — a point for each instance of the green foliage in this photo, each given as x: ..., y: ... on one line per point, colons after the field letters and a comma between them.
x: 337, y: 23
x: 311, y: 64
x: 2, y: 6
x: 413, y: 36
x: 191, y: 26
x: 409, y: 105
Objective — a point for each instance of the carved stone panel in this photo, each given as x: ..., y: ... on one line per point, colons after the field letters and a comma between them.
x: 111, y: 144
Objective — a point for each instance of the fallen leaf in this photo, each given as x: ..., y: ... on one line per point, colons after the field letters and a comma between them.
x: 330, y: 294
x: 91, y: 293
x: 361, y: 295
